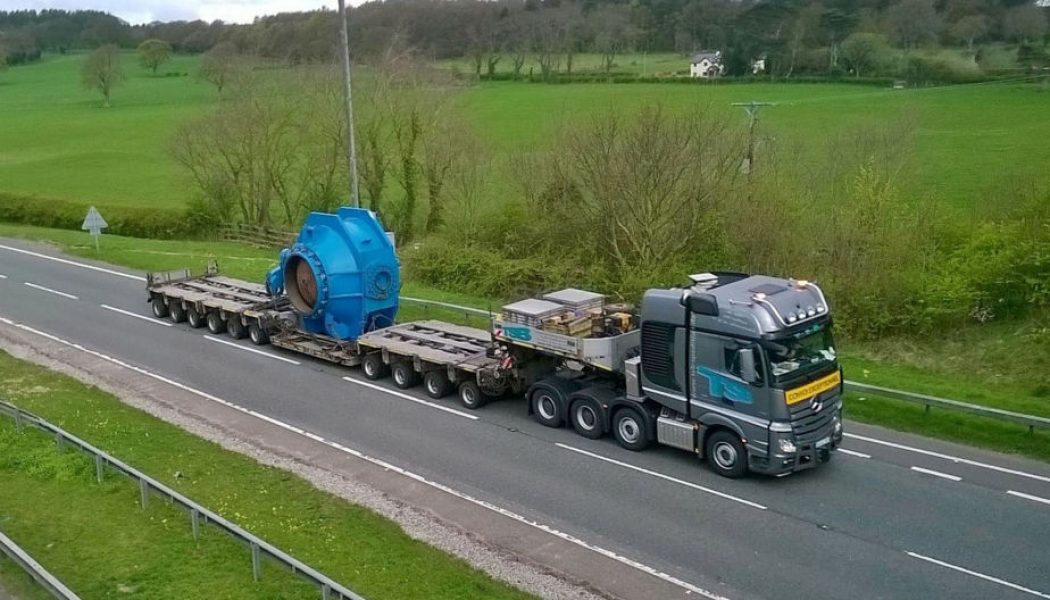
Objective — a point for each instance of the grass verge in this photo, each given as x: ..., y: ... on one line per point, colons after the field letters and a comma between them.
x: 102, y: 544
x: 940, y: 368
x: 18, y: 584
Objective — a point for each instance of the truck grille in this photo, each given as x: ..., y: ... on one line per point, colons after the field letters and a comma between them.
x: 810, y: 426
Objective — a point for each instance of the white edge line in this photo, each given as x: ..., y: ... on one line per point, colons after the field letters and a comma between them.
x: 380, y: 388
x: 662, y: 476
x: 1028, y: 496
x: 252, y: 350
x: 937, y: 473
x: 854, y: 453
x: 954, y: 459
x: 2, y: 276
x: 137, y: 316
x: 979, y: 575
x: 50, y: 291
x: 73, y: 263
x: 382, y: 463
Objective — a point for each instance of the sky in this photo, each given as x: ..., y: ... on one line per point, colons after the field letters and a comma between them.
x: 145, y: 11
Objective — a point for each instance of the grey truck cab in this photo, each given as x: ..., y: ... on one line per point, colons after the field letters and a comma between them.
x: 744, y: 370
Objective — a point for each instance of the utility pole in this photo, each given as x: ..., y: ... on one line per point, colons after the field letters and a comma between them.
x: 351, y: 147
x: 752, y: 109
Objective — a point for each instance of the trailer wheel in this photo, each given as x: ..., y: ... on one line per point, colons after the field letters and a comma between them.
x: 471, y: 396
x: 629, y: 429
x: 257, y: 334
x: 236, y: 328
x: 726, y: 454
x: 373, y: 367
x: 215, y: 323
x: 404, y: 375
x: 436, y: 383
x: 586, y: 417
x: 194, y: 318
x: 176, y: 312
x: 160, y: 309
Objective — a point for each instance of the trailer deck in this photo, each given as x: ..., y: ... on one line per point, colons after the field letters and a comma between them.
x: 436, y: 342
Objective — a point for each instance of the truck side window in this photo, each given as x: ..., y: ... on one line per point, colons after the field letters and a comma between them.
x: 732, y: 358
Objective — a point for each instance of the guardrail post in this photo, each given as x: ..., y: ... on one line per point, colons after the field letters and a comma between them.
x: 324, y: 591
x: 927, y: 409
x: 195, y: 524
x: 60, y: 441
x: 144, y: 493
x: 18, y: 420
x: 255, y: 561
x: 98, y: 467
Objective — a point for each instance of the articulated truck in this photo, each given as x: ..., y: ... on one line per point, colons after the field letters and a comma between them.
x: 738, y: 369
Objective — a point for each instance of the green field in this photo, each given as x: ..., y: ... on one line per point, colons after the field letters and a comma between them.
x: 56, y: 140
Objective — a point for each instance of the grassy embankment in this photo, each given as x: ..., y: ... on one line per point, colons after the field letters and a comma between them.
x: 969, y: 366
x: 102, y: 544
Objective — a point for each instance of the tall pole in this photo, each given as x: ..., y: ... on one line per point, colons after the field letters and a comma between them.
x: 351, y: 147
x: 752, y: 109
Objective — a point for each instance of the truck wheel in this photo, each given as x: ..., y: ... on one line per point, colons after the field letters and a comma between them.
x: 160, y: 309
x: 176, y: 312
x: 629, y: 429
x: 404, y: 375
x: 585, y: 415
x: 373, y: 367
x: 471, y: 396
x: 215, y: 323
x: 257, y: 334
x: 726, y: 454
x: 546, y: 407
x: 194, y: 318
x: 436, y: 383
x: 236, y: 328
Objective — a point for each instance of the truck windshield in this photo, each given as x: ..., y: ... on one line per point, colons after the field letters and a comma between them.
x: 804, y: 351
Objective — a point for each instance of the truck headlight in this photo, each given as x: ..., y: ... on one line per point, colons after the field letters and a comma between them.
x: 786, y: 446
x: 837, y: 425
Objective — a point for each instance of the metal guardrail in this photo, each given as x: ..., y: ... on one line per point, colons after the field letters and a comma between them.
x: 35, y: 570
x: 330, y: 589
x: 1030, y: 421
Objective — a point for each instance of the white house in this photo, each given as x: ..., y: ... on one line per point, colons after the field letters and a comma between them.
x: 758, y: 65
x: 706, y: 64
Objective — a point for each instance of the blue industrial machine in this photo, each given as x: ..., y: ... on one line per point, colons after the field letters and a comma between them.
x: 341, y: 275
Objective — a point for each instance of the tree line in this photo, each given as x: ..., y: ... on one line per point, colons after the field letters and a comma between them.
x: 795, y: 36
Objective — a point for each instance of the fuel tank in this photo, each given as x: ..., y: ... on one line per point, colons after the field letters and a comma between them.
x: 341, y: 276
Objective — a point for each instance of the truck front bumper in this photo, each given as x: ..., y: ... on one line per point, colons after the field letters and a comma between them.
x: 807, y: 456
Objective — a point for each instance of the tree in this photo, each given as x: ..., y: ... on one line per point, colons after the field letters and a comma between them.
x: 1025, y: 23
x: 913, y: 23
x: 153, y: 53
x: 101, y: 71
x: 220, y: 65
x: 861, y: 51
x: 969, y: 29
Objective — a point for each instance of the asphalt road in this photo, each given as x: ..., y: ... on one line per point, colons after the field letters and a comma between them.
x: 892, y: 516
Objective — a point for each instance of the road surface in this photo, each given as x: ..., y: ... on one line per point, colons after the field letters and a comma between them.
x: 892, y: 516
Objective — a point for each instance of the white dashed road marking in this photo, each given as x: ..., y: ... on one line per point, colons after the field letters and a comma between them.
x: 137, y: 316
x: 252, y: 350
x: 1028, y: 497
x: 1001, y: 582
x: 853, y: 453
x: 380, y: 388
x: 50, y: 291
x: 937, y: 474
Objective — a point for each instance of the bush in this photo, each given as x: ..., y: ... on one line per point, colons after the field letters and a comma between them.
x: 155, y: 223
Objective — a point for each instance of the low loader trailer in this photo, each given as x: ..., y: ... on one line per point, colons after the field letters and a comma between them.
x: 738, y: 369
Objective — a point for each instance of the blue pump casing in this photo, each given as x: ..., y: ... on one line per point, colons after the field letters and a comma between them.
x: 341, y: 275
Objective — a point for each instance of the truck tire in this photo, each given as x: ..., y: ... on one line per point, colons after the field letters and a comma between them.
x: 176, y: 312
x: 257, y: 334
x: 194, y: 318
x: 215, y: 323
x: 436, y: 383
x: 373, y: 367
x: 471, y: 396
x: 726, y: 454
x: 404, y: 375
x: 585, y: 414
x: 236, y: 328
x: 629, y: 429
x: 548, y: 400
x: 160, y: 309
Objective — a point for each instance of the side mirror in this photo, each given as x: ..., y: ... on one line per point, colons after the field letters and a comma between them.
x: 748, y: 372
x: 702, y: 304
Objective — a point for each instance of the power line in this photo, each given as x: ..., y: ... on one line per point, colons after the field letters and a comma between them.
x: 752, y: 109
